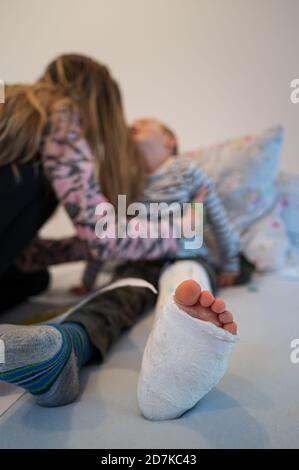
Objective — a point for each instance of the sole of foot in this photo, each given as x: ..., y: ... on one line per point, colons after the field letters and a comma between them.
x: 200, y: 304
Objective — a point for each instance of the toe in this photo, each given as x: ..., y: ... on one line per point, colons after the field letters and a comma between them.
x: 218, y: 306
x: 226, y: 317
x: 231, y: 328
x: 188, y: 292
x: 206, y: 299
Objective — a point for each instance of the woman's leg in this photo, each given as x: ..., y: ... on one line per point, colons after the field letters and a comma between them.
x: 17, y: 286
x: 26, y: 204
x: 46, y: 359
x: 187, y: 351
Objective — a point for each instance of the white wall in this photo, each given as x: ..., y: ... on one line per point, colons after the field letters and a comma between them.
x: 212, y: 68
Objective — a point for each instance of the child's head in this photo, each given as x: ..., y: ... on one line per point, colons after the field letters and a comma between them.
x: 155, y: 140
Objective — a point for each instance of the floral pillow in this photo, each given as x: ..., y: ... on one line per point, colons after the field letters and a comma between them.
x: 288, y: 189
x: 244, y: 172
x: 266, y: 243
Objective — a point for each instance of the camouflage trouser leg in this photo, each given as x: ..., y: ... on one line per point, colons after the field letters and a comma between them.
x: 107, y: 315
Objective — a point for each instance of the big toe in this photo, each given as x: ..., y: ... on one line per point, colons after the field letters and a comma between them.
x: 188, y: 292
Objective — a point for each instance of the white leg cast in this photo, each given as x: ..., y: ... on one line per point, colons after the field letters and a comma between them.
x: 178, y: 272
x: 184, y: 357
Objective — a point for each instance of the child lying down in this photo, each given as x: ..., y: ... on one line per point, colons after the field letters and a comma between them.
x: 193, y: 333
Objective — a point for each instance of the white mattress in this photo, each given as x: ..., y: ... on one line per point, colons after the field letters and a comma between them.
x: 256, y: 405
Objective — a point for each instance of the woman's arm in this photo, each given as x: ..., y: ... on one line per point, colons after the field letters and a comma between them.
x: 69, y: 166
x: 42, y: 253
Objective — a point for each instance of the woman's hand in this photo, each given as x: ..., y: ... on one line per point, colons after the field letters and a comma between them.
x: 79, y: 290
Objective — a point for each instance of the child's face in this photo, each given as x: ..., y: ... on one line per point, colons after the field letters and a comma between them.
x: 147, y: 130
x: 148, y: 133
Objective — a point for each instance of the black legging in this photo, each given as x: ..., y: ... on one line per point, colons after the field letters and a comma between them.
x: 26, y: 203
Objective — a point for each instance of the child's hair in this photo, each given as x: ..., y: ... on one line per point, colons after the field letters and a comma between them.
x: 88, y: 86
x: 170, y: 133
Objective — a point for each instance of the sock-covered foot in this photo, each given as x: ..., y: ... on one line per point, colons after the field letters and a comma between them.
x: 186, y: 353
x: 45, y: 360
x: 204, y: 306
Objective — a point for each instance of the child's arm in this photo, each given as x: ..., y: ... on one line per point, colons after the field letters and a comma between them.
x: 228, y: 242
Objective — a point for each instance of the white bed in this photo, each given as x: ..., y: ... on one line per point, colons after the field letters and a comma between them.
x: 256, y: 405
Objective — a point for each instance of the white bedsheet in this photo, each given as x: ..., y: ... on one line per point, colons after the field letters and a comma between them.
x: 256, y: 405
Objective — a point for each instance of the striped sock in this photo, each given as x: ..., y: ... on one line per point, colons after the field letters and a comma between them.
x: 36, y: 357
x: 80, y: 340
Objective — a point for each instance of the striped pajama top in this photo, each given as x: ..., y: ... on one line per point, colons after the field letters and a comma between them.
x: 179, y: 180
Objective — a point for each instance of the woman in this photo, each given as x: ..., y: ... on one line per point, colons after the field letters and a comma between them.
x: 64, y: 140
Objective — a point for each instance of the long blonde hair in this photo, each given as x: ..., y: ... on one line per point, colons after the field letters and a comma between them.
x: 89, y: 86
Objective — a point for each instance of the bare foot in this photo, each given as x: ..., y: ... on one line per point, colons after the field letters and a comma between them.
x: 203, y: 305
